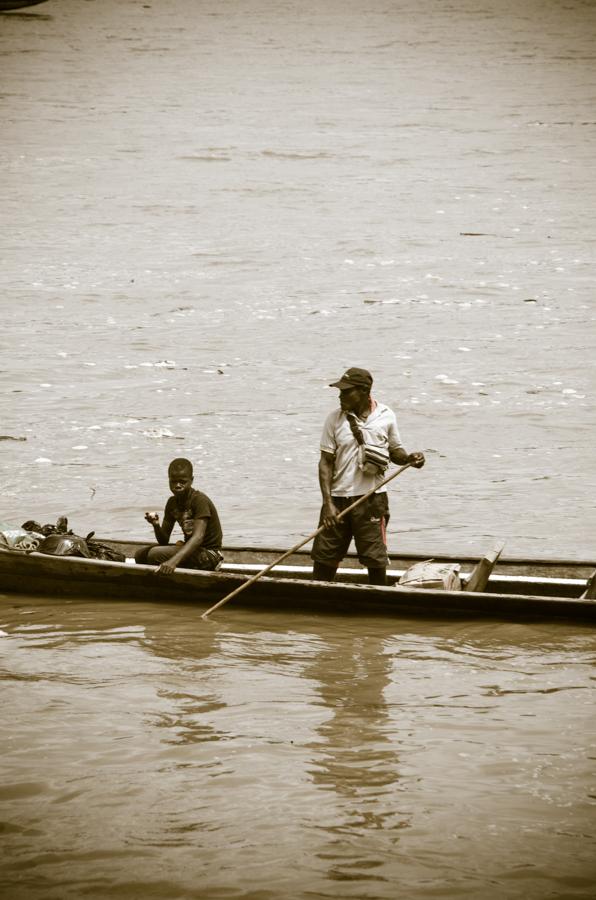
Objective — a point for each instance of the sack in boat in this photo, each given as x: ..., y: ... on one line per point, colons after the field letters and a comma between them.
x: 432, y: 576
x: 77, y: 546
x: 19, y: 538
x: 64, y: 545
x: 73, y: 545
x: 97, y: 550
x: 61, y: 527
x: 372, y: 460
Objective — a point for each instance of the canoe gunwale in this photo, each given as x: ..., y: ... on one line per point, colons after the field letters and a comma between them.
x: 441, y: 556
x: 539, y: 567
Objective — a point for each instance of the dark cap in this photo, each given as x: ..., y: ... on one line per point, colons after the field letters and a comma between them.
x: 354, y: 378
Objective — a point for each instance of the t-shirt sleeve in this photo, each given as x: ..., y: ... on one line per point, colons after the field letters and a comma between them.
x: 393, y: 434
x: 169, y: 519
x: 328, y: 441
x: 168, y: 514
x: 200, y: 507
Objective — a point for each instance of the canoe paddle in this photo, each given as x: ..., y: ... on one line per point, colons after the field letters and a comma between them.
x: 285, y: 555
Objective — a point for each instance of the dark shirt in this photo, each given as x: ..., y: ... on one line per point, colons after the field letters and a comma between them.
x: 198, y: 506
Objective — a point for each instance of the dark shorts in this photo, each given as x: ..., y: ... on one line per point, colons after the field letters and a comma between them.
x: 205, y: 559
x: 367, y: 524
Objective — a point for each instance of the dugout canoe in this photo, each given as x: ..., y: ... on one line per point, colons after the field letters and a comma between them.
x: 517, y: 588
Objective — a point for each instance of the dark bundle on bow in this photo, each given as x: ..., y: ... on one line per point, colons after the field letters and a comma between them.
x: 61, y: 527
x: 103, y: 551
x: 62, y: 541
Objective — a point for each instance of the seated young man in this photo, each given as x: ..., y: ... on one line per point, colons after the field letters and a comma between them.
x: 196, y: 515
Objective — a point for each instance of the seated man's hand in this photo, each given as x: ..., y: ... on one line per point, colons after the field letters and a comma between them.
x: 166, y: 568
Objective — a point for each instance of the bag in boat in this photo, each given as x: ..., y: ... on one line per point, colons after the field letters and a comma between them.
x: 432, y: 576
x: 61, y: 527
x: 97, y: 550
x: 72, y: 545
x: 64, y: 545
x: 19, y: 538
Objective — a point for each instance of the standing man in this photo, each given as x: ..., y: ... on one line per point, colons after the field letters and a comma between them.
x: 353, y: 436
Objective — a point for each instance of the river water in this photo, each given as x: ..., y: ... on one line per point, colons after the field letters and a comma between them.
x: 210, y: 210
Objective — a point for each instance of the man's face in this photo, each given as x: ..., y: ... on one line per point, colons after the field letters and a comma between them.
x: 350, y: 399
x: 180, y: 482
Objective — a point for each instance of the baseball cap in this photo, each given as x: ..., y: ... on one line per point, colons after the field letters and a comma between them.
x: 352, y: 378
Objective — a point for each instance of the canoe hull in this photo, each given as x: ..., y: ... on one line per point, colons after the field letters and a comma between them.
x: 38, y: 574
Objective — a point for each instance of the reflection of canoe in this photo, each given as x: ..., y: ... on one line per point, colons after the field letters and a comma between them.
x: 18, y: 4
x: 549, y: 590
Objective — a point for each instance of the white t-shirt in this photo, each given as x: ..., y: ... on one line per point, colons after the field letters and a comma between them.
x: 380, y: 429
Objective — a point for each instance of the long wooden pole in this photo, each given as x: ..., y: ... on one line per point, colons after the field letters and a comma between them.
x: 296, y: 547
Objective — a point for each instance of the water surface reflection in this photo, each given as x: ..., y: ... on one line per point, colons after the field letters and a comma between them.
x: 145, y: 753
x: 356, y: 759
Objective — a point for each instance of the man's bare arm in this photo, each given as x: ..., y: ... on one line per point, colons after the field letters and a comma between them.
x: 192, y: 544
x: 326, y: 463
x: 401, y: 457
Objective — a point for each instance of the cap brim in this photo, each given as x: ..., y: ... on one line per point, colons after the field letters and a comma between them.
x: 342, y: 385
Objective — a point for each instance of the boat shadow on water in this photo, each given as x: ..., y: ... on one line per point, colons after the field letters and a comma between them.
x: 13, y: 5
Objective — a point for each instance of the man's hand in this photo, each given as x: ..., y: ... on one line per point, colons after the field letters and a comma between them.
x: 330, y: 514
x: 152, y: 518
x: 166, y: 568
x: 416, y: 459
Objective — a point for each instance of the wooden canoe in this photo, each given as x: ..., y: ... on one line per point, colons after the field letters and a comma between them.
x: 518, y: 588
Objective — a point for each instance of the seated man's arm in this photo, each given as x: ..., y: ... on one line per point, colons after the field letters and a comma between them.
x: 162, y: 532
x: 187, y: 549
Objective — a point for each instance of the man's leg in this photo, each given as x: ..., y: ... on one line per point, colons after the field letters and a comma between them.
x: 206, y: 559
x: 323, y: 572
x: 377, y: 575
x: 160, y: 553
x: 141, y: 555
x: 330, y: 546
x: 370, y: 520
x: 155, y: 554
